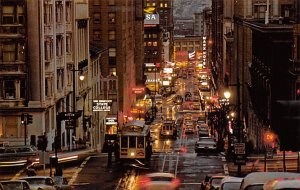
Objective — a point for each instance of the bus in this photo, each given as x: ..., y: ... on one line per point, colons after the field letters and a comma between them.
x: 134, y: 139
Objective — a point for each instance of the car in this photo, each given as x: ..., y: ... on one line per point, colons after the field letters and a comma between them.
x: 61, y: 183
x: 214, y: 182
x: 203, y: 133
x: 283, y: 184
x: 15, y: 185
x: 231, y: 183
x: 205, y: 144
x: 189, y: 128
x: 256, y: 180
x: 40, y: 182
x: 158, y: 180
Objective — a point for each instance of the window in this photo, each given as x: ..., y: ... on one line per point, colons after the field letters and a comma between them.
x: 112, y: 52
x: 154, y: 36
x: 58, y: 12
x: 145, y: 36
x: 149, y: 43
x: 8, y: 15
x: 20, y: 11
x: 97, y: 18
x: 68, y: 11
x: 145, y: 43
x: 166, y: 4
x: 259, y: 11
x: 124, y: 142
x: 48, y: 14
x: 97, y: 35
x: 111, y: 2
x: 68, y: 43
x: 154, y: 43
x: 97, y: 2
x: 132, y: 142
x: 111, y: 18
x: 112, y: 35
x: 9, y: 89
x: 9, y: 52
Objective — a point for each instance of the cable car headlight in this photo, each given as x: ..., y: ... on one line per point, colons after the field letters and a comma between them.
x: 132, y: 154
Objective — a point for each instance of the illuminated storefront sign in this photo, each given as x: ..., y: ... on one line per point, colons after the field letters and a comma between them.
x: 102, y: 105
x: 138, y: 90
x: 166, y: 83
x: 111, y: 121
x: 204, y: 51
x: 168, y: 70
x: 151, y: 19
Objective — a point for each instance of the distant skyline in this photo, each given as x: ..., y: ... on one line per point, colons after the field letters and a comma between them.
x: 184, y: 9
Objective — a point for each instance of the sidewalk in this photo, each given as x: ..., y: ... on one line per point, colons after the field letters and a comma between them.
x: 257, y: 162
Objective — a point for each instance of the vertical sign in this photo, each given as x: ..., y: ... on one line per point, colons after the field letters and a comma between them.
x: 204, y: 51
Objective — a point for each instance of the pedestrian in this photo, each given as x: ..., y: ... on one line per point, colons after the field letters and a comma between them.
x: 109, y: 157
x: 117, y: 151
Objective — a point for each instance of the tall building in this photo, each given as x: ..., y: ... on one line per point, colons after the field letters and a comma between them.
x: 116, y: 25
x: 54, y: 55
x: 262, y: 53
x: 198, y: 24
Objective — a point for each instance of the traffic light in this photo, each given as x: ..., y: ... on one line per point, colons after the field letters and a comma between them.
x: 29, y: 119
x: 22, y: 118
x: 42, y: 143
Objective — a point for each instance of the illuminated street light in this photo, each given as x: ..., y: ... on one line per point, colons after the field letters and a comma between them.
x: 227, y: 94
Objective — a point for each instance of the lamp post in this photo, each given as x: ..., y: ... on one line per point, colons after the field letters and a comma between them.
x: 81, y: 77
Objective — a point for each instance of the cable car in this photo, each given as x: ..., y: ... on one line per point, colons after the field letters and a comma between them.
x: 168, y: 129
x: 134, y: 139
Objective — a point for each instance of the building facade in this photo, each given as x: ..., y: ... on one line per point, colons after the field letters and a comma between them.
x: 58, y: 53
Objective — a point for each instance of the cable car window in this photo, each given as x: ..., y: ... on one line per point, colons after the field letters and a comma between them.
x: 124, y: 142
x: 132, y: 142
x: 140, y: 141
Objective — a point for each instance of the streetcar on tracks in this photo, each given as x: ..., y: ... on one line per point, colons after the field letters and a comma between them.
x: 168, y: 129
x: 134, y: 140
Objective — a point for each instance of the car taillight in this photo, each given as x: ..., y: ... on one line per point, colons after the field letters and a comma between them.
x: 143, y: 181
x: 176, y: 182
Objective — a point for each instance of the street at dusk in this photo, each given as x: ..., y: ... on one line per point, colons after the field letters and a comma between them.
x: 149, y: 95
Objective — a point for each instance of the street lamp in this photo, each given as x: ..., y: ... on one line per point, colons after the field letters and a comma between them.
x: 81, y: 77
x: 227, y: 94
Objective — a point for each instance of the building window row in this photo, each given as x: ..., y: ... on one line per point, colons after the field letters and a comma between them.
x: 59, y: 12
x: 112, y: 35
x: 112, y: 52
x: 12, y: 15
x: 12, y: 88
x: 150, y: 43
x: 154, y: 36
x: 111, y: 18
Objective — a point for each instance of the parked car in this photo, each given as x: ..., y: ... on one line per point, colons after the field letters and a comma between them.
x: 214, y: 182
x: 230, y: 183
x: 61, y: 183
x: 166, y: 181
x: 256, y: 180
x: 283, y: 184
x: 205, y: 144
x: 15, y: 185
x: 40, y: 182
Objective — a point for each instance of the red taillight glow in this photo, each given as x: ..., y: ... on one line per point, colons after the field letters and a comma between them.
x: 143, y: 181
x: 176, y: 182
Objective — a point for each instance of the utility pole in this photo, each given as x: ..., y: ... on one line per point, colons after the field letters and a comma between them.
x: 238, y: 116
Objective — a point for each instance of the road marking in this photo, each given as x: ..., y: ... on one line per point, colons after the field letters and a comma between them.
x: 190, y: 183
x: 20, y: 172
x: 79, y: 170
x: 226, y: 172
x: 176, y: 167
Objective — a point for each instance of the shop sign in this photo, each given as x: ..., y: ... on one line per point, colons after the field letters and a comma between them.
x: 111, y: 121
x: 204, y: 50
x: 168, y: 70
x: 138, y: 90
x: 151, y: 19
x: 102, y: 105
